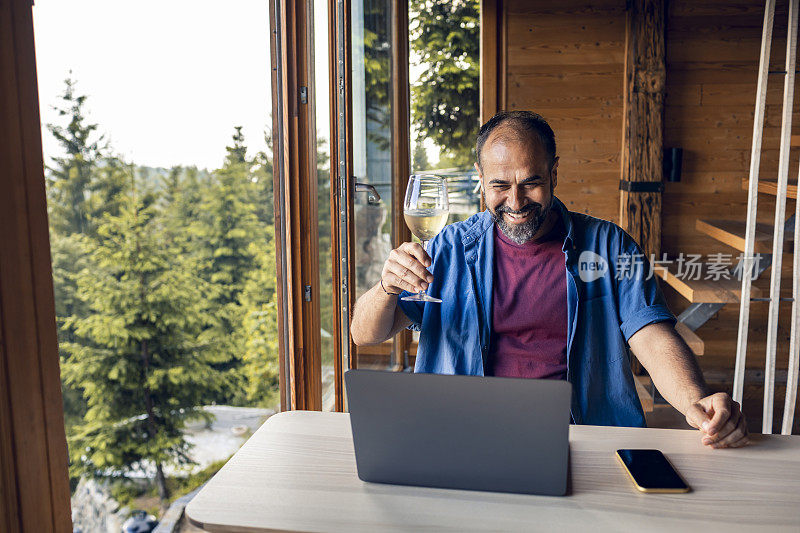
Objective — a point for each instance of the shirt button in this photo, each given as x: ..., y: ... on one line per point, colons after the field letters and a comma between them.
x: 484, y: 348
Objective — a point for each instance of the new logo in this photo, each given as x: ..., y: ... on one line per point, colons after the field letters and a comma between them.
x: 591, y: 266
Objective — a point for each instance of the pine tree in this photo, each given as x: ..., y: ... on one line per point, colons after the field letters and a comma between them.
x: 263, y: 178
x: 69, y: 180
x: 143, y: 358
x: 232, y: 234
x: 82, y: 184
x: 260, y: 327
x: 231, y: 221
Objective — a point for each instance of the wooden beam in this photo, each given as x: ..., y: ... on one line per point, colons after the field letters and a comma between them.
x: 34, y: 490
x: 643, y: 130
x: 492, y: 74
x: 401, y: 158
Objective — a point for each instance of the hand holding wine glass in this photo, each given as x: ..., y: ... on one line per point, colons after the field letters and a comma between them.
x: 425, y: 209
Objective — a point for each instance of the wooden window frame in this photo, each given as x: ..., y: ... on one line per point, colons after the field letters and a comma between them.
x: 300, y: 357
x: 296, y: 231
x: 34, y: 480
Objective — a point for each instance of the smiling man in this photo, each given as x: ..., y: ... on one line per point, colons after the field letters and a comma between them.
x: 532, y: 290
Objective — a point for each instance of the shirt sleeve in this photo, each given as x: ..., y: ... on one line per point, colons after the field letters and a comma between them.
x: 641, y: 301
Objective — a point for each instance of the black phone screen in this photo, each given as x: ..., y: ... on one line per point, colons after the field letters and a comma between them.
x: 651, y: 470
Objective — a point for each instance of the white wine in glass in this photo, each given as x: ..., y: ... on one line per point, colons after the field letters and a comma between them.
x: 425, y: 209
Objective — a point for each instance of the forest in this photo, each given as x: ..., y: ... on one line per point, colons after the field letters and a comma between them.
x: 165, y: 279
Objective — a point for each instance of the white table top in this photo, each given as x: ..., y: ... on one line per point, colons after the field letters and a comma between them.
x: 298, y: 473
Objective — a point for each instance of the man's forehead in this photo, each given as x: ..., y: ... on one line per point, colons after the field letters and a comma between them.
x: 514, y: 150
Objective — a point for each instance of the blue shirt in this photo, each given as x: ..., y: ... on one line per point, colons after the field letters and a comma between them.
x: 609, y: 298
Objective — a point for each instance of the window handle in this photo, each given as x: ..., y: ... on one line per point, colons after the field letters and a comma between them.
x: 373, y: 196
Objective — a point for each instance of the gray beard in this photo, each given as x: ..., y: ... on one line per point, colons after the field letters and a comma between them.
x: 522, y: 233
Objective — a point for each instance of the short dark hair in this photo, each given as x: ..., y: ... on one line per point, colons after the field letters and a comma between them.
x: 522, y: 122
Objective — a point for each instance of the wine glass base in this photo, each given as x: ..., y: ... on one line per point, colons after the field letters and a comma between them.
x: 420, y: 297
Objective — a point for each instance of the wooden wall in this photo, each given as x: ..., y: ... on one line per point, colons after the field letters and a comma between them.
x: 564, y: 60
x: 712, y: 62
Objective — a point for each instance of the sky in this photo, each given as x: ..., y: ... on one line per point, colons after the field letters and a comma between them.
x: 166, y: 80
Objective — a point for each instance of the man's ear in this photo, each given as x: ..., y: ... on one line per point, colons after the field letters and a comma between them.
x: 480, y: 174
x: 554, y: 173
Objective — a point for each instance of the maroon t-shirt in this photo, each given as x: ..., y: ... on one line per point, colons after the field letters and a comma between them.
x: 529, y: 307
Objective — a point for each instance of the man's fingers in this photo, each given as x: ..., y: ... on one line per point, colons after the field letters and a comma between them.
x: 721, y: 404
x: 695, y: 416
x: 726, y: 430
x: 397, y: 281
x: 411, y: 262
x: 416, y: 250
x: 734, y: 439
x: 408, y: 276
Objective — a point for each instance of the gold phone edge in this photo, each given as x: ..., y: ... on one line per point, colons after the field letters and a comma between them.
x: 653, y: 491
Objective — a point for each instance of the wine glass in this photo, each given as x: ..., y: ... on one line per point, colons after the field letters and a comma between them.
x: 425, y: 210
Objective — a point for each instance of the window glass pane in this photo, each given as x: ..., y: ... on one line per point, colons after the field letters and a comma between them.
x: 159, y: 182
x: 444, y: 72
x: 328, y: 317
x: 372, y: 158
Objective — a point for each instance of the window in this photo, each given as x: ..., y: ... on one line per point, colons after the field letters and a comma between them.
x: 159, y: 183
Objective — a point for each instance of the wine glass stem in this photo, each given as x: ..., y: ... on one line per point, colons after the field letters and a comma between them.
x: 424, y: 247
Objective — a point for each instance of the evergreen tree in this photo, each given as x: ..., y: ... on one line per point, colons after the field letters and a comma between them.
x: 446, y: 37
x: 143, y: 357
x: 238, y: 152
x: 69, y: 180
x: 260, y: 326
x: 263, y: 178
x: 232, y: 233
x: 231, y: 222
x: 82, y: 184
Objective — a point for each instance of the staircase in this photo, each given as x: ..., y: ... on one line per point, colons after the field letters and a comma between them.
x: 707, y: 296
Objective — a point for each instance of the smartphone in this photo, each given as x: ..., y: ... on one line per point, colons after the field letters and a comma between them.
x: 651, y: 472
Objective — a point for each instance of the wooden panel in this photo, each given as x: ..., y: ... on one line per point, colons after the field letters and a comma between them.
x: 565, y: 62
x: 564, y: 58
x: 33, y: 452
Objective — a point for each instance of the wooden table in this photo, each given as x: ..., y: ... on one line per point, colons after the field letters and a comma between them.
x: 298, y: 473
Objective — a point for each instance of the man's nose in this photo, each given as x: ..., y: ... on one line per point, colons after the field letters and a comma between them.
x: 514, y: 199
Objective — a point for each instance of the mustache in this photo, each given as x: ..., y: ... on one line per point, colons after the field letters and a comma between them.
x: 525, y: 209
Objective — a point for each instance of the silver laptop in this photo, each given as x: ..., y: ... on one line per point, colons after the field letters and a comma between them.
x: 460, y: 432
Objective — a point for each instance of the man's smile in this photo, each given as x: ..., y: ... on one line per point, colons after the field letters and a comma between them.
x: 518, y: 218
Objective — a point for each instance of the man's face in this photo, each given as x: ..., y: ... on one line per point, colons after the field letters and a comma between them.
x: 517, y: 182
